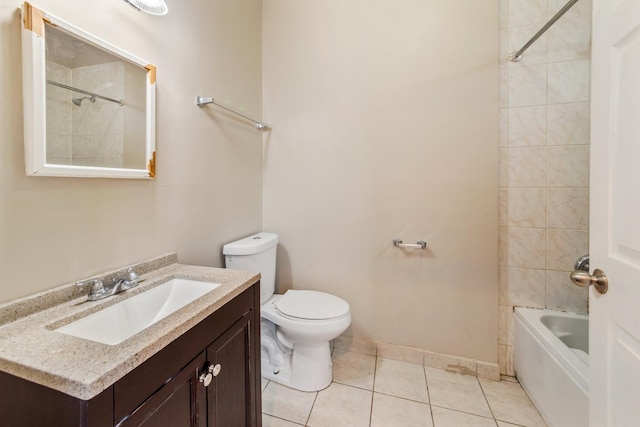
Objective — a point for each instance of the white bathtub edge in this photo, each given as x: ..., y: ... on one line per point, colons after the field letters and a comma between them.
x: 577, y: 370
x: 541, y: 361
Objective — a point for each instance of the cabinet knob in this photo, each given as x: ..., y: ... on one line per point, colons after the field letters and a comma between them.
x: 206, y: 378
x: 212, y: 371
x: 215, y: 370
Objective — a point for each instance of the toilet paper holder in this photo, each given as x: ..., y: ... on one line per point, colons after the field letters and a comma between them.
x: 420, y: 244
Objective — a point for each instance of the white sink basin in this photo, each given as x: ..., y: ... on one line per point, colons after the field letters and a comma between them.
x: 118, y: 322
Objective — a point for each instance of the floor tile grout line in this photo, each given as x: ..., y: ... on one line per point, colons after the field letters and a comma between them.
x: 401, y: 398
x: 517, y: 423
x: 487, y: 400
x: 284, y: 419
x: 351, y: 385
x: 312, y: 405
x: 426, y: 380
x: 373, y: 387
x: 466, y: 412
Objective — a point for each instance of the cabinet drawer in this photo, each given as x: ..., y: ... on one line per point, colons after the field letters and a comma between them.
x: 137, y: 386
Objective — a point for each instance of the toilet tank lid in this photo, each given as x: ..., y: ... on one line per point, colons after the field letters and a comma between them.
x: 250, y: 245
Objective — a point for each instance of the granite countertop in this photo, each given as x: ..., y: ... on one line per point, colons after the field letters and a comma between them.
x: 31, y: 349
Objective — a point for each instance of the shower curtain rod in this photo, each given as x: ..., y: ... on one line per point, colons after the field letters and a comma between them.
x: 517, y: 56
x: 201, y: 101
x: 86, y: 92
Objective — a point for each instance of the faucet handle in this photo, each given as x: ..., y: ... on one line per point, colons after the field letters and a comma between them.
x: 131, y: 279
x: 95, y: 286
x: 132, y: 276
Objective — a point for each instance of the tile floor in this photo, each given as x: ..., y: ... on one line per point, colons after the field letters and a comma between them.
x: 376, y: 392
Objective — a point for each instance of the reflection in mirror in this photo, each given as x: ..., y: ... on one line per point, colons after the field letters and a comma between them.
x: 89, y: 107
x: 88, y: 121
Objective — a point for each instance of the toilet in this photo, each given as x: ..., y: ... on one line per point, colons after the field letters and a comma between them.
x: 296, y: 327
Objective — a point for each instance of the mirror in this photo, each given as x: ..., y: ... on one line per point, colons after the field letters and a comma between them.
x: 89, y: 107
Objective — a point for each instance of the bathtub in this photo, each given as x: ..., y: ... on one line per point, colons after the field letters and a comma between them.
x: 552, y: 364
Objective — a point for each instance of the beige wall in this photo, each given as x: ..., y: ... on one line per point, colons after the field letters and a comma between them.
x: 208, y: 191
x: 544, y: 157
x: 385, y: 124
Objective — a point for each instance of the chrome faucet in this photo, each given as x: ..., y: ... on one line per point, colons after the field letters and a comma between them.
x: 582, y: 263
x: 98, y: 290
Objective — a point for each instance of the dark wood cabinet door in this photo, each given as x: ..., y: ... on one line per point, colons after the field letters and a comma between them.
x: 176, y: 403
x: 230, y: 397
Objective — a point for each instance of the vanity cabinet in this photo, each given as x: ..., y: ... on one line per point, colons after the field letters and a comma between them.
x: 209, y: 376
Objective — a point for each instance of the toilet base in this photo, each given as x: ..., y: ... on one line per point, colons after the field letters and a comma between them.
x: 310, y: 368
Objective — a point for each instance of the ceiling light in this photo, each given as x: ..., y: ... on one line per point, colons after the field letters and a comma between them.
x: 154, y: 7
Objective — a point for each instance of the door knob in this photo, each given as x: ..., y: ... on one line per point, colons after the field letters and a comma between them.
x: 598, y: 279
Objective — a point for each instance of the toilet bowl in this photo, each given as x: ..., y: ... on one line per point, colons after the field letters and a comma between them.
x: 308, y: 365
x: 296, y: 327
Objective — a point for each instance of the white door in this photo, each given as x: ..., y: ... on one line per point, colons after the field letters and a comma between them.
x: 614, y: 346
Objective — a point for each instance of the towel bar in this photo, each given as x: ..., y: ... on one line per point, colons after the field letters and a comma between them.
x: 420, y: 244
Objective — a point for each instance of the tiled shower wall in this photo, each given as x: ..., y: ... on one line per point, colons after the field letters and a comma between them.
x: 91, y: 134
x: 98, y: 128
x: 544, y: 161
x: 58, y: 115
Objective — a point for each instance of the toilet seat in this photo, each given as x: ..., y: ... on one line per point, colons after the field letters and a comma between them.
x: 311, y: 305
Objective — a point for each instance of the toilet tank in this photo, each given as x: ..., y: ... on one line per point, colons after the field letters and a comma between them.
x: 255, y: 253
